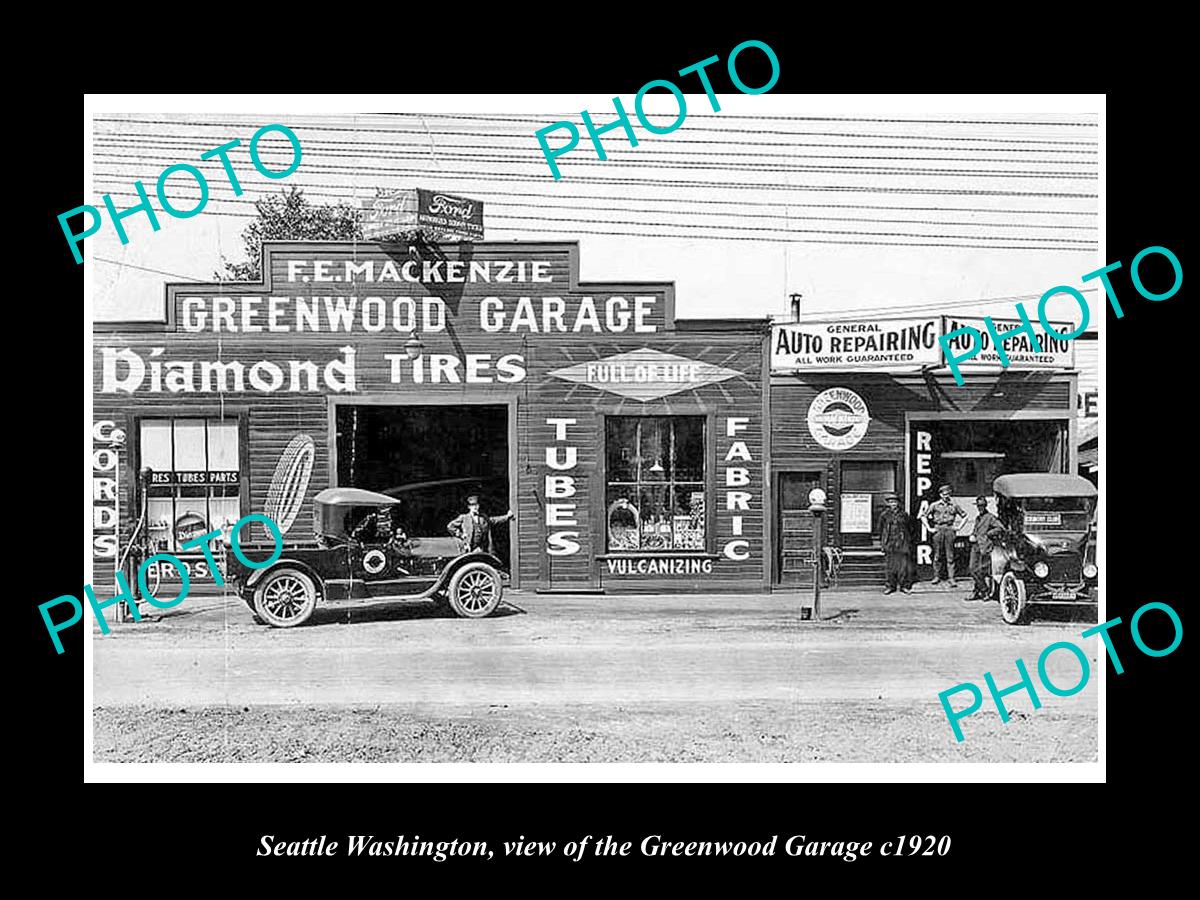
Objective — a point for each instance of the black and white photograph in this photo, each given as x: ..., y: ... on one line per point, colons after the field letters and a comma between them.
x: 528, y: 429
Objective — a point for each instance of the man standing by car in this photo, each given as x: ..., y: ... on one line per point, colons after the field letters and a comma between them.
x: 983, y: 535
x: 474, y: 529
x: 942, y: 519
x: 895, y: 538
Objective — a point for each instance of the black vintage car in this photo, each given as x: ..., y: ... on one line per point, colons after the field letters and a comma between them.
x: 1047, y: 552
x: 362, y: 555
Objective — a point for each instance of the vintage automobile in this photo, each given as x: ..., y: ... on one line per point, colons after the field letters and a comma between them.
x: 361, y: 555
x: 1047, y: 549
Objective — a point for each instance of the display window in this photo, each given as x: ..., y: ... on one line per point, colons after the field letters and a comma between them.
x: 865, y: 487
x: 656, y: 487
x: 194, y: 482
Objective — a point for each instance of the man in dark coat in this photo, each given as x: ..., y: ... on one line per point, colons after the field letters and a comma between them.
x: 983, y: 536
x: 895, y: 537
x: 474, y: 530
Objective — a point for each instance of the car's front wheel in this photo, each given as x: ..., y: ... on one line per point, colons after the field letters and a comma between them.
x: 285, y: 598
x: 475, y: 591
x: 1013, y: 603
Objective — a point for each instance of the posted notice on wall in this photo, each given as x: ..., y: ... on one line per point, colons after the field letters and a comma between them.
x: 856, y: 514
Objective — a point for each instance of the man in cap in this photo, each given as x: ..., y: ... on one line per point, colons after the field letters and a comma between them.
x: 983, y: 536
x: 473, y: 529
x: 379, y: 527
x: 942, y: 520
x: 895, y: 537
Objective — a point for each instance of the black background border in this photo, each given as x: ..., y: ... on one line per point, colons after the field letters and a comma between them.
x: 1061, y: 832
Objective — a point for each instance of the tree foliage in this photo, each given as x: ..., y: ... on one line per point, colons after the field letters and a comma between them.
x: 291, y: 217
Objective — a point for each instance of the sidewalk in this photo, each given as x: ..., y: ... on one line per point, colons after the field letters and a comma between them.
x: 926, y: 607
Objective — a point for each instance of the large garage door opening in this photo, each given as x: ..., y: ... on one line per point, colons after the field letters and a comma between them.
x: 969, y: 454
x: 430, y: 458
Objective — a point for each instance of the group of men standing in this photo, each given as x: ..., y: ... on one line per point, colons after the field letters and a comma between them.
x: 897, y: 539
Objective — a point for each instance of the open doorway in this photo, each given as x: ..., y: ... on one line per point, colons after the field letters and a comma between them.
x: 968, y: 454
x: 430, y: 458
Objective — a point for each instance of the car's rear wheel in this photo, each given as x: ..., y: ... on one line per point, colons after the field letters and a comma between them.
x: 475, y: 591
x: 285, y: 598
x: 1013, y: 604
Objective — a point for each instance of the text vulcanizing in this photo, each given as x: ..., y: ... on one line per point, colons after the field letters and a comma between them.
x: 221, y: 152
x: 623, y: 122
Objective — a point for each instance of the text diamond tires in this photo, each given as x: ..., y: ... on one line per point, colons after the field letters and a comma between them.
x: 475, y: 591
x: 285, y: 598
x: 1013, y: 605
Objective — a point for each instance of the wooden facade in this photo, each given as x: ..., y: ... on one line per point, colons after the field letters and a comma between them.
x: 278, y: 369
x: 896, y: 408
x: 553, y: 349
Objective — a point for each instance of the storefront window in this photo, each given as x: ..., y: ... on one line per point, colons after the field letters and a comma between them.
x: 865, y: 486
x: 656, y: 489
x: 195, y: 481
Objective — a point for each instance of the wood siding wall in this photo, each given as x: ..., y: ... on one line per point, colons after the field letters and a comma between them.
x: 889, y: 399
x: 272, y: 419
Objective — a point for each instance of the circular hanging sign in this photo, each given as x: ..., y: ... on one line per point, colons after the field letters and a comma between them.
x: 374, y: 561
x: 188, y: 526
x: 838, y: 418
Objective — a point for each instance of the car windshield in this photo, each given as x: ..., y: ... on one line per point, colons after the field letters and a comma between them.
x: 1057, y: 513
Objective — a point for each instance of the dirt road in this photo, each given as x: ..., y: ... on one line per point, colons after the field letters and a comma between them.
x: 609, y: 678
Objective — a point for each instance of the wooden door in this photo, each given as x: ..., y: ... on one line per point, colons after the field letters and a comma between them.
x: 795, y: 528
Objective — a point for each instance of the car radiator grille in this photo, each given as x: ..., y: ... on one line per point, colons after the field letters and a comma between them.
x: 1065, y: 568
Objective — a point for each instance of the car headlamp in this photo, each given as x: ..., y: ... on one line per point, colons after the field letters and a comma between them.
x: 1041, y: 570
x: 1090, y: 570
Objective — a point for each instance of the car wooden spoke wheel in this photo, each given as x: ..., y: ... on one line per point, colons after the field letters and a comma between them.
x: 1013, y: 605
x: 286, y: 597
x: 475, y: 591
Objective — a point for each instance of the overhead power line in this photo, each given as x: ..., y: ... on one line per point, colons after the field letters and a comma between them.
x: 879, y: 171
x: 401, y: 151
x: 476, y: 175
x: 497, y: 219
x: 707, y: 201
x: 723, y: 116
x: 727, y: 228
x: 947, y: 304
x: 736, y: 214
x: 727, y: 130
x: 355, y: 149
x: 390, y: 154
x: 645, y: 146
x: 728, y: 237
